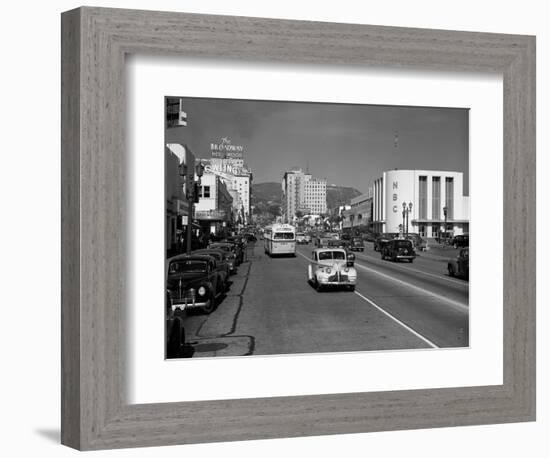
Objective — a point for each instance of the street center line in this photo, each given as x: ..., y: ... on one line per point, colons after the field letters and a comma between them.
x: 389, y: 315
x: 366, y: 257
x: 423, y: 291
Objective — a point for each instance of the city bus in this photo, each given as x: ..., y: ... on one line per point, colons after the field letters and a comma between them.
x: 280, y: 239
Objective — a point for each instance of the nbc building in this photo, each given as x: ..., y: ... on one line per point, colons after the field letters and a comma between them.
x: 434, y: 202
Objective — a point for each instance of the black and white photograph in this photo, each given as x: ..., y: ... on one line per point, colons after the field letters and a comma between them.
x: 304, y: 227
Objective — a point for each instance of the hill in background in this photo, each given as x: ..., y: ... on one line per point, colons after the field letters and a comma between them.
x: 270, y: 193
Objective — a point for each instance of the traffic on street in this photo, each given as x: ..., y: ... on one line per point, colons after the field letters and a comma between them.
x: 270, y: 307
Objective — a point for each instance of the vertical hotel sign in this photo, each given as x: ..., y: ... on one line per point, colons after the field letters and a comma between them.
x: 224, y: 149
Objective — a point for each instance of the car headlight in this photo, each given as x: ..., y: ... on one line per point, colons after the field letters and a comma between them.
x: 201, y: 291
x: 328, y: 270
x: 346, y: 269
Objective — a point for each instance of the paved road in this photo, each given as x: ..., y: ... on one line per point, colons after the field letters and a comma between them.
x: 271, y: 309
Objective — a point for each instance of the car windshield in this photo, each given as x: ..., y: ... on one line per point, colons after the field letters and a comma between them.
x: 221, y: 247
x: 187, y: 265
x: 283, y: 236
x: 215, y: 255
x: 327, y: 255
x: 403, y: 244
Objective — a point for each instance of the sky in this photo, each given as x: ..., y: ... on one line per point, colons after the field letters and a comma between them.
x: 349, y: 145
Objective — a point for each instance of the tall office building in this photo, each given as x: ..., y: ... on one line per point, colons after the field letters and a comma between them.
x: 303, y: 193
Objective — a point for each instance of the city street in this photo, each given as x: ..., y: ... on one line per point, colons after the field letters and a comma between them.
x: 271, y: 309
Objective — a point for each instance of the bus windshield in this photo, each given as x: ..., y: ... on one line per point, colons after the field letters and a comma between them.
x: 283, y: 236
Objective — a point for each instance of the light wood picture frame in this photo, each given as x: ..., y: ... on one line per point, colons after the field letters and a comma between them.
x: 95, y: 410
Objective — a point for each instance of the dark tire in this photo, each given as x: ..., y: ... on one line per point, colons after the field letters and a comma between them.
x: 451, y: 270
x: 411, y: 260
x: 318, y: 286
x: 351, y: 288
x: 382, y: 256
x: 174, y: 346
x: 208, y: 310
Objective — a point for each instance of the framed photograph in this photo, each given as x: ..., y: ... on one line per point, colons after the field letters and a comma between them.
x: 267, y: 226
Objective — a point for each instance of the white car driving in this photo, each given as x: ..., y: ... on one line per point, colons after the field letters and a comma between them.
x: 332, y: 267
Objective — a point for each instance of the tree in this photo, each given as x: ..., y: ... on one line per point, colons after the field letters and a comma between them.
x: 274, y: 210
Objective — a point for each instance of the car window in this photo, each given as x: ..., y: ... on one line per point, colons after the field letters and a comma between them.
x: 187, y: 265
x: 403, y: 244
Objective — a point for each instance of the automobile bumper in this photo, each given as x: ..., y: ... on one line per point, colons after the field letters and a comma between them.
x: 405, y: 256
x: 338, y: 283
x: 183, y: 304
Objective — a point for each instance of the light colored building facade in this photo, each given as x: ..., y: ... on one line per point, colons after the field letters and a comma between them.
x: 236, y: 176
x: 215, y: 207
x: 431, y: 193
x: 303, y: 193
x: 179, y: 163
x: 359, y: 213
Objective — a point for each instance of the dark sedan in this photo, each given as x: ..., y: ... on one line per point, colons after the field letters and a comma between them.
x: 230, y: 249
x: 382, y: 239
x: 193, y: 281
x: 398, y: 249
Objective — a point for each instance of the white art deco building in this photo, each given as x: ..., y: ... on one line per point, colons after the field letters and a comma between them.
x: 432, y: 193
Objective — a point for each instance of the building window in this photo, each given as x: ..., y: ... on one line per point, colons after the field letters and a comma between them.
x: 435, y: 230
x: 422, y: 197
x: 205, y: 191
x: 422, y: 229
x: 436, y: 198
x: 449, y: 194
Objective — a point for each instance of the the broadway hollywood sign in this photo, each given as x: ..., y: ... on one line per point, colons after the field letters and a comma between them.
x: 225, y: 149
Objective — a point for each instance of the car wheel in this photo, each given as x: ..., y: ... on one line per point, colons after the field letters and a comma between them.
x: 451, y: 270
x: 212, y: 303
x: 176, y: 341
x: 411, y: 260
x: 351, y: 288
x: 382, y: 256
x: 318, y: 286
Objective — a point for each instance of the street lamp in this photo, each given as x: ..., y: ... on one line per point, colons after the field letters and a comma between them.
x: 406, y: 211
x: 445, y: 226
x: 192, y: 197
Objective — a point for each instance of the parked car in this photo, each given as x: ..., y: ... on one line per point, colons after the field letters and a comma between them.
x: 301, y: 238
x: 175, y: 331
x: 222, y: 262
x: 357, y: 244
x: 418, y: 242
x: 240, y: 247
x: 383, y: 238
x: 398, y: 249
x: 250, y: 237
x: 460, y: 241
x: 370, y: 236
x: 194, y: 281
x: 231, y: 250
x: 460, y: 266
x: 332, y: 267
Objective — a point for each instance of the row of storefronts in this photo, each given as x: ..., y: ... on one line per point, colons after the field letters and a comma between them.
x: 206, y: 196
